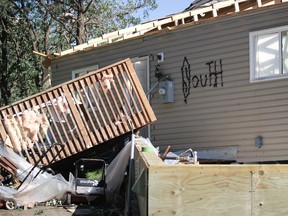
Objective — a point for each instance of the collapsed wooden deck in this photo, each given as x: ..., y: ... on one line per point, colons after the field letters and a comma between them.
x: 7, y: 168
x: 76, y: 115
x: 209, y: 189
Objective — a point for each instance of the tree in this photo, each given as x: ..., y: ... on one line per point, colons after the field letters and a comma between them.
x: 81, y: 20
x: 48, y: 26
x: 4, y: 93
x: 21, y: 72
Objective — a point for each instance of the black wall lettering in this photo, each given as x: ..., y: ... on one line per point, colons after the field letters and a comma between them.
x: 206, y: 79
x: 215, y: 77
x: 186, y: 79
x: 214, y: 71
x: 195, y: 81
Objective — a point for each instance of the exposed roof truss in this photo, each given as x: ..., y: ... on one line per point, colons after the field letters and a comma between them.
x: 207, y: 11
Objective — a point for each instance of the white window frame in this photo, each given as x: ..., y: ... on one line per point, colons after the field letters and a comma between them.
x: 147, y: 87
x: 252, y: 43
x: 83, y: 71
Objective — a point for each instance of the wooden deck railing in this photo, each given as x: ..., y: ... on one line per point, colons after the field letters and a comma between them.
x: 76, y: 115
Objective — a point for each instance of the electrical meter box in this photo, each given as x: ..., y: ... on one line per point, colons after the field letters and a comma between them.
x: 166, y: 91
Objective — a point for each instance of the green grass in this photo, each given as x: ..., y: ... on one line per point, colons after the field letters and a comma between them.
x: 94, y: 175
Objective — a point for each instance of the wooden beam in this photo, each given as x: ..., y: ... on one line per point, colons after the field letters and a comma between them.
x: 236, y: 5
x: 40, y: 54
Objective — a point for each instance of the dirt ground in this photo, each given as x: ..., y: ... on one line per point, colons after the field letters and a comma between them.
x: 62, y: 211
x: 72, y: 210
x: 38, y: 210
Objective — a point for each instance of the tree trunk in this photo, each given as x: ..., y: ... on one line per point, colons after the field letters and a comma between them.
x: 4, y: 90
x: 80, y: 31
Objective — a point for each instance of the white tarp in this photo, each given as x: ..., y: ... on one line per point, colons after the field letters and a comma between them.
x: 115, y: 173
x: 46, y: 186
x: 40, y: 189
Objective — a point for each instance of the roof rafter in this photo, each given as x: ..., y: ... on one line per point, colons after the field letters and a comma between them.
x: 209, y: 10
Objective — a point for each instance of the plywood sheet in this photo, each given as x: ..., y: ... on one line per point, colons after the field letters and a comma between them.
x: 218, y: 190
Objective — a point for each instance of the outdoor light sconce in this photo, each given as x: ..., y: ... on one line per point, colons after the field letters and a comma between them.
x: 160, y: 57
x: 258, y: 142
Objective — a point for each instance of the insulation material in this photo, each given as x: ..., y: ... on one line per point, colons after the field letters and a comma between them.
x: 23, y: 132
x: 44, y: 124
x: 8, y: 142
x: 62, y: 105
x: 106, y: 81
x: 31, y: 124
x: 15, y: 127
x: 26, y: 141
x: 14, y: 139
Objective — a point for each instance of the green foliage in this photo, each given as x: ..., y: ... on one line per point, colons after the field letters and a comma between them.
x: 49, y: 26
x: 20, y: 73
x: 86, y: 19
x: 94, y: 175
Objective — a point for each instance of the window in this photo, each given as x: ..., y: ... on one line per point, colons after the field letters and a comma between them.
x: 83, y: 71
x: 78, y: 73
x: 269, y: 54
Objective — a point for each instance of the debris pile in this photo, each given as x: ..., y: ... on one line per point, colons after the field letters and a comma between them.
x: 66, y: 121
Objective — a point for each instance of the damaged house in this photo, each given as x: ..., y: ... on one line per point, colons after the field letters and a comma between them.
x: 222, y: 72
x: 215, y: 76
